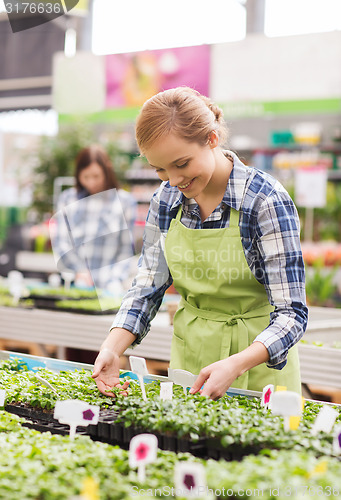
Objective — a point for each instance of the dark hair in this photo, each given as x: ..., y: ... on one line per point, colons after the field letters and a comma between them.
x: 96, y: 154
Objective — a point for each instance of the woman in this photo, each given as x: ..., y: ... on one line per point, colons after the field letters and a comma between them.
x: 94, y: 223
x: 227, y: 235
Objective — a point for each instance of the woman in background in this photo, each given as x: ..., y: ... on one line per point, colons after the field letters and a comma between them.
x: 95, y: 220
x: 93, y: 234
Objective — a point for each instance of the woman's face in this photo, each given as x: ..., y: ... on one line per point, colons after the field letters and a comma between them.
x: 92, y: 178
x: 186, y: 165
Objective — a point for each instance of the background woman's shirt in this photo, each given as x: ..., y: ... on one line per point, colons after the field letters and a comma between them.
x: 94, y: 233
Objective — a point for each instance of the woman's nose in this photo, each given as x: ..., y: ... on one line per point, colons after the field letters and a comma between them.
x: 175, y: 180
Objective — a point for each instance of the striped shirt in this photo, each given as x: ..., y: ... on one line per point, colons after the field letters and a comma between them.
x: 94, y: 234
x: 269, y: 229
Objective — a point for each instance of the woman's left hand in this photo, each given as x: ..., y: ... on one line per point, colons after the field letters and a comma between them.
x: 221, y: 374
x: 218, y: 377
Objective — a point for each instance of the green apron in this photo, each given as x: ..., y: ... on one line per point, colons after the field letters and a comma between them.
x: 223, y: 307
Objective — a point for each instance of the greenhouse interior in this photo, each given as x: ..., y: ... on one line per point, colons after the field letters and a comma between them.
x: 170, y: 249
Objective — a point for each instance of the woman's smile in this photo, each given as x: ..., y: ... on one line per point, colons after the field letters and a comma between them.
x: 184, y: 187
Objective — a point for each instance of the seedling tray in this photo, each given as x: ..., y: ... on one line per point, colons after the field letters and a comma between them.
x: 217, y: 451
x: 108, y: 429
x: 53, y: 427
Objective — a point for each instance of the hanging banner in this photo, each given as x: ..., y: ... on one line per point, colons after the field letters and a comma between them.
x: 311, y: 187
x: 132, y: 78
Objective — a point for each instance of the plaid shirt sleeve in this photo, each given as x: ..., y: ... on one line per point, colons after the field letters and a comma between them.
x: 280, y: 268
x: 64, y: 253
x: 141, y: 303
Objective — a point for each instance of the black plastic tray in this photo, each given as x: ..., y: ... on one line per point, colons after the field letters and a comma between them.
x: 108, y: 430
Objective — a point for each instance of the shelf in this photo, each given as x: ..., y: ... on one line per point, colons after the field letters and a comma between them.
x: 142, y: 176
x: 330, y: 148
x: 334, y: 175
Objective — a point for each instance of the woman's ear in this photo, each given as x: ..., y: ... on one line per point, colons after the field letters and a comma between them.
x: 213, y: 140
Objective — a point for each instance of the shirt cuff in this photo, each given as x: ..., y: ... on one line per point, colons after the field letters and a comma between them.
x: 276, y: 347
x: 131, y: 322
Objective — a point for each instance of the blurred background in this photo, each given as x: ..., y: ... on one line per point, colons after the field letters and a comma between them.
x: 272, y: 65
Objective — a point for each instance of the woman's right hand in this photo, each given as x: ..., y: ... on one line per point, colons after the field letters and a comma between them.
x: 106, y: 373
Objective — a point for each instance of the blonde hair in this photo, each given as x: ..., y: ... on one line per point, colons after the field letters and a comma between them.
x: 182, y: 111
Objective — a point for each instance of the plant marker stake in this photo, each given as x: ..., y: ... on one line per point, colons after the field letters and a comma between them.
x: 143, y: 389
x: 15, y: 284
x: 337, y: 440
x: 287, y: 404
x: 266, y: 396
x: 319, y: 469
x: 183, y: 378
x: 166, y: 391
x: 139, y: 367
x: 68, y: 277
x: 90, y: 489
x: 190, y: 479
x: 324, y: 420
x: 73, y: 412
x: 46, y: 383
x: 280, y: 388
x: 2, y: 397
x: 142, y: 451
x: 54, y: 280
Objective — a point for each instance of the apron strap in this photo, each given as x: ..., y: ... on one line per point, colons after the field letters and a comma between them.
x: 234, y: 218
x: 179, y: 214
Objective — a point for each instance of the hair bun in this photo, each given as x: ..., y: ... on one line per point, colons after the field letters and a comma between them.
x: 216, y: 111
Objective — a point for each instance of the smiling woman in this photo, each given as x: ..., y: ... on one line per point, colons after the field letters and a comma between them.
x: 239, y: 316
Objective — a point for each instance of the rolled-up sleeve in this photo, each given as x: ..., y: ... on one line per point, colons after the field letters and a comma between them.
x: 280, y: 268
x: 141, y: 303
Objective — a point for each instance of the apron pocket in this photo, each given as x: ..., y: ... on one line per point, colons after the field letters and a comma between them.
x: 177, y: 353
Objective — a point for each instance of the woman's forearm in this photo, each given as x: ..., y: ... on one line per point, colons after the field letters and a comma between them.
x: 250, y: 357
x: 118, y: 340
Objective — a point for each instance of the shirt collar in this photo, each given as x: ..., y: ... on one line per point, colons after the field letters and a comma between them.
x: 234, y: 190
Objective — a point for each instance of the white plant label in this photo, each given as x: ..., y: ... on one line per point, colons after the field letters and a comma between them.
x: 183, y: 378
x: 142, y: 451
x: 73, y: 412
x: 190, y: 480
x: 139, y: 367
x: 166, y: 391
x: 2, y: 397
x: 337, y: 440
x: 286, y: 403
x: 325, y: 420
x: 268, y: 390
x: 68, y: 277
x: 54, y: 280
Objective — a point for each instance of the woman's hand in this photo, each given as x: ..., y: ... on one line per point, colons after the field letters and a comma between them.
x: 218, y: 377
x: 106, y: 373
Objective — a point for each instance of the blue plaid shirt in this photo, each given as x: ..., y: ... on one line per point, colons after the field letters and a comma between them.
x: 269, y: 228
x: 93, y: 233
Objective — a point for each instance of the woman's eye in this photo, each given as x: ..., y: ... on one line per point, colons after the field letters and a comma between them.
x: 183, y: 165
